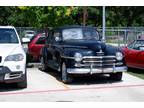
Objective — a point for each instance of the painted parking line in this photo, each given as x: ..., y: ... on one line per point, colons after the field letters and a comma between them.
x: 76, y: 89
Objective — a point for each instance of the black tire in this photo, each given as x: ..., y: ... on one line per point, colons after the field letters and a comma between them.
x: 24, y: 83
x: 43, y: 65
x: 65, y: 77
x: 116, y: 76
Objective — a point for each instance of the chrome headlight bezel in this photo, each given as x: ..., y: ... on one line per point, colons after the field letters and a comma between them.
x: 119, y: 56
x: 78, y: 57
x: 15, y: 57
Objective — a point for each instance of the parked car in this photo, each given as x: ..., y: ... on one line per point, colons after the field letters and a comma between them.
x: 134, y: 54
x: 12, y: 58
x: 77, y: 50
x: 35, y: 45
x: 29, y: 34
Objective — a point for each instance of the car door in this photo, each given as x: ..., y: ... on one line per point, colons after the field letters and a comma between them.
x: 55, y: 49
x: 140, y: 59
x: 131, y: 55
x: 38, y: 45
x: 140, y: 54
x: 52, y: 51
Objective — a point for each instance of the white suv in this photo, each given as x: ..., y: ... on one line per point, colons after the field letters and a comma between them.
x: 12, y: 58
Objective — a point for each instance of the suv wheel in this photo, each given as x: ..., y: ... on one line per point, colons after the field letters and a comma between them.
x: 116, y: 76
x: 66, y: 78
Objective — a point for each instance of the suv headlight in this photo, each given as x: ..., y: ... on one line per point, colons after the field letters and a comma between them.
x: 78, y: 57
x: 119, y: 56
x: 15, y: 57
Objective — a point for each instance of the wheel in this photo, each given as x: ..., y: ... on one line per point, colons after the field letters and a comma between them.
x: 66, y: 78
x: 116, y: 76
x: 24, y: 83
x: 43, y: 65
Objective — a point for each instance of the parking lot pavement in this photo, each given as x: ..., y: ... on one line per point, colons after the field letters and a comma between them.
x: 46, y: 86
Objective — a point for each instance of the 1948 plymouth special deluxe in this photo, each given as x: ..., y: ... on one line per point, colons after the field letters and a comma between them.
x: 77, y: 50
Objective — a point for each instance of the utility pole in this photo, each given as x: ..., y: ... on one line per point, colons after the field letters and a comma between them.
x: 85, y: 14
x: 103, y: 28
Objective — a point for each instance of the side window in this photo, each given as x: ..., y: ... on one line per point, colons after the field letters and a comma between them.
x: 41, y: 40
x: 49, y: 38
x: 131, y: 45
x: 55, y: 36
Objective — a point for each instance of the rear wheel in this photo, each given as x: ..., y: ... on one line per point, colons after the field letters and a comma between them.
x: 116, y: 76
x: 66, y: 78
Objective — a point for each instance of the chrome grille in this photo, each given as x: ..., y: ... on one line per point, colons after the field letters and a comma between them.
x: 100, y: 61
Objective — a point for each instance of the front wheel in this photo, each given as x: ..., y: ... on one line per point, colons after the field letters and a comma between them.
x: 116, y: 76
x: 66, y: 78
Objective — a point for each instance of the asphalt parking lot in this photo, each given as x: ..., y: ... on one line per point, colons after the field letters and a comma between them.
x: 43, y: 86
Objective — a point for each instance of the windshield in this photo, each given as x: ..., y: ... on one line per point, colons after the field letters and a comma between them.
x: 29, y: 32
x: 8, y: 36
x: 136, y: 44
x: 80, y: 33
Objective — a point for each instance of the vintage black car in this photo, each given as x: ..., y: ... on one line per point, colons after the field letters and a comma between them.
x: 77, y: 50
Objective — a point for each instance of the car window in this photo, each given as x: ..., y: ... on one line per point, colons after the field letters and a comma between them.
x: 136, y: 44
x: 49, y: 38
x: 90, y: 34
x: 41, y: 40
x: 131, y: 45
x: 69, y: 34
x: 8, y: 36
x: 80, y: 33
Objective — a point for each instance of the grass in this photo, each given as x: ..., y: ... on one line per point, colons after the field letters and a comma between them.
x: 136, y: 72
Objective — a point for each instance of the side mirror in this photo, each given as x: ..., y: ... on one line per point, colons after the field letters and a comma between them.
x: 25, y: 40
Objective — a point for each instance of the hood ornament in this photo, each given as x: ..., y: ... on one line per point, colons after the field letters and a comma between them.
x: 100, y: 53
x: 100, y: 48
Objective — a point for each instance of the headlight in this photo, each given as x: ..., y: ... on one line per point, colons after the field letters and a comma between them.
x: 119, y: 56
x: 15, y: 57
x: 78, y: 57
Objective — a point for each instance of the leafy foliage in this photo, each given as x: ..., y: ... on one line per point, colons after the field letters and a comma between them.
x: 52, y: 16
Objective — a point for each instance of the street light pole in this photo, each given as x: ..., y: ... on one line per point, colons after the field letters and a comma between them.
x: 84, y: 15
x: 103, y: 28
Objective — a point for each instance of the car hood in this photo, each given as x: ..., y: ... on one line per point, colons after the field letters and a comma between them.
x: 6, y: 49
x: 88, y: 44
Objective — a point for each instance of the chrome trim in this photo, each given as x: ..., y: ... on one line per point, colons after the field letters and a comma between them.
x: 94, y: 71
x: 84, y: 61
x: 91, y: 57
x: 106, y: 64
x: 68, y: 57
x: 9, y: 76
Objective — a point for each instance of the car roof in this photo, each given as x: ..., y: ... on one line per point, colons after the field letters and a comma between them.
x: 9, y: 27
x: 74, y: 26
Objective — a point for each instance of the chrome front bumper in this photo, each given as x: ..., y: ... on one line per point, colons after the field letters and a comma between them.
x: 94, y: 71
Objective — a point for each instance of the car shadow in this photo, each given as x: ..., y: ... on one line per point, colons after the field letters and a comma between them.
x: 136, y: 70
x: 85, y: 79
x: 8, y: 87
